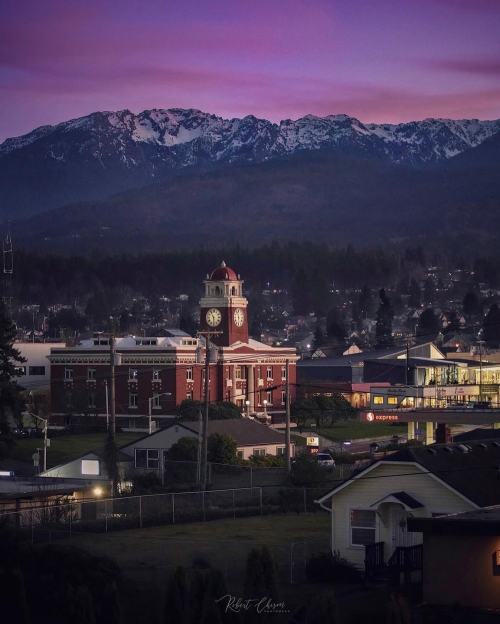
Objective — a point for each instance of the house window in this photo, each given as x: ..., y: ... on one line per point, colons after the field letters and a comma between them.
x: 147, y: 458
x: 68, y: 374
x: 91, y: 374
x: 21, y: 370
x: 259, y: 452
x: 189, y: 374
x: 280, y: 451
x: 92, y: 399
x: 156, y: 375
x: 269, y: 373
x: 132, y: 374
x: 156, y: 401
x: 90, y: 467
x: 36, y: 370
x: 378, y: 400
x: 283, y: 397
x: 132, y: 399
x: 362, y: 527
x: 239, y: 454
x: 269, y: 397
x: 283, y: 372
x: 392, y: 400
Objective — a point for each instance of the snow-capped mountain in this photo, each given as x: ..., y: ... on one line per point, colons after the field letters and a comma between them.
x: 108, y: 152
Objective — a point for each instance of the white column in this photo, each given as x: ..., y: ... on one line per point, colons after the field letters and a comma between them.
x: 251, y: 387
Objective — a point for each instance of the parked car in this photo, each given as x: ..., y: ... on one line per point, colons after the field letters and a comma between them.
x: 325, y: 459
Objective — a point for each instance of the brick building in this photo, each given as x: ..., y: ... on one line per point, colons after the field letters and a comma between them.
x: 169, y: 369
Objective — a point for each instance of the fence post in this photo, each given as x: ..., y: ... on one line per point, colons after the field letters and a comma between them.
x: 234, y: 504
x: 140, y: 512
x: 260, y: 500
x: 305, y: 500
x: 173, y: 508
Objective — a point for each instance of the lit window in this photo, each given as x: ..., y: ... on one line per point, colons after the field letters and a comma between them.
x: 378, y: 400
x: 392, y: 400
x: 90, y: 467
x: 362, y: 527
x: 132, y: 399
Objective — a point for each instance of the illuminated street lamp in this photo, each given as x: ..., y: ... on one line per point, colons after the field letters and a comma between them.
x: 265, y: 407
x: 247, y: 403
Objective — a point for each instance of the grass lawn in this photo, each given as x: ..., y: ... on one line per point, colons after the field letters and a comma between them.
x: 148, y: 556
x: 352, y: 430
x: 66, y: 447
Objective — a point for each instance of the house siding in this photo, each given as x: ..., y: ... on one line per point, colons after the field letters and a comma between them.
x: 362, y: 493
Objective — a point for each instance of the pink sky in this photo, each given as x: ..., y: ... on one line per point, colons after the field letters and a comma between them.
x: 379, y: 60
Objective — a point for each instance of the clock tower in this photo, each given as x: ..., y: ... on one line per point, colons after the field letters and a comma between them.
x: 223, y: 307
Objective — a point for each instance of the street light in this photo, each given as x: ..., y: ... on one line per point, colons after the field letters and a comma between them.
x: 150, y: 408
x: 265, y: 408
x: 247, y: 403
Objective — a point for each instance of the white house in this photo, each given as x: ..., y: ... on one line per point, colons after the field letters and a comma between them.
x: 35, y: 371
x: 373, y: 505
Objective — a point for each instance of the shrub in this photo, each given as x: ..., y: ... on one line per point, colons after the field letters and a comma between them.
x: 325, y: 567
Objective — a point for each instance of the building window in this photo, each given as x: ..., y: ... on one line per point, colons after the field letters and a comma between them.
x: 189, y: 396
x: 147, y: 458
x: 280, y: 451
x: 68, y: 374
x: 269, y: 373
x: 132, y: 399
x: 90, y: 467
x: 156, y: 401
x: 237, y: 372
x: 156, y: 375
x: 133, y: 374
x: 283, y: 397
x: 91, y: 374
x: 21, y: 370
x: 92, y: 399
x: 362, y: 527
x: 392, y: 400
x: 378, y: 400
x: 189, y: 374
x: 259, y: 452
x: 36, y: 370
x: 269, y: 396
x: 239, y: 454
x: 283, y: 372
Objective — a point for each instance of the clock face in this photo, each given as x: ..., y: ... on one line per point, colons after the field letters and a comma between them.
x: 214, y: 317
x: 239, y: 317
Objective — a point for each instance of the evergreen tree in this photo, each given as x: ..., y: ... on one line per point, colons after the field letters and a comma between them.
x: 428, y: 324
x: 319, y: 338
x: 11, y: 401
x: 385, y: 316
x: 335, y: 327
x: 491, y: 326
x: 221, y: 449
x: 365, y: 302
x: 471, y: 304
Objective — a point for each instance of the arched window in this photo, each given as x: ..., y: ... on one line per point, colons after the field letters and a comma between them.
x: 233, y: 290
x: 217, y: 290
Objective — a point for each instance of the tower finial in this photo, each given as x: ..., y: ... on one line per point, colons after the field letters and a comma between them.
x: 223, y: 265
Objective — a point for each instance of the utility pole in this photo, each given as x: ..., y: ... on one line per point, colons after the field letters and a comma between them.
x: 207, y: 334
x: 112, y: 400
x: 287, y: 421
x: 480, y: 343
x: 407, y: 363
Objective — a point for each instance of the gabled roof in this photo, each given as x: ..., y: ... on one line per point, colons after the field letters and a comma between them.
x: 245, y: 431
x: 472, y: 470
x: 408, y: 501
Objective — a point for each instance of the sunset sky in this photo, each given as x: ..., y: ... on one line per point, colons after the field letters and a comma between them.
x: 379, y: 60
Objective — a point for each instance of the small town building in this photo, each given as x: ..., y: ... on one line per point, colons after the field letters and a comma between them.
x: 369, y: 511
x: 35, y: 371
x: 454, y: 544
x: 155, y: 374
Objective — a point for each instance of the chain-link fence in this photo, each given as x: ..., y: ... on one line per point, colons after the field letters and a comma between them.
x: 50, y: 522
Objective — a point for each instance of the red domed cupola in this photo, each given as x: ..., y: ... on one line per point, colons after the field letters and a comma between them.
x: 223, y: 272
